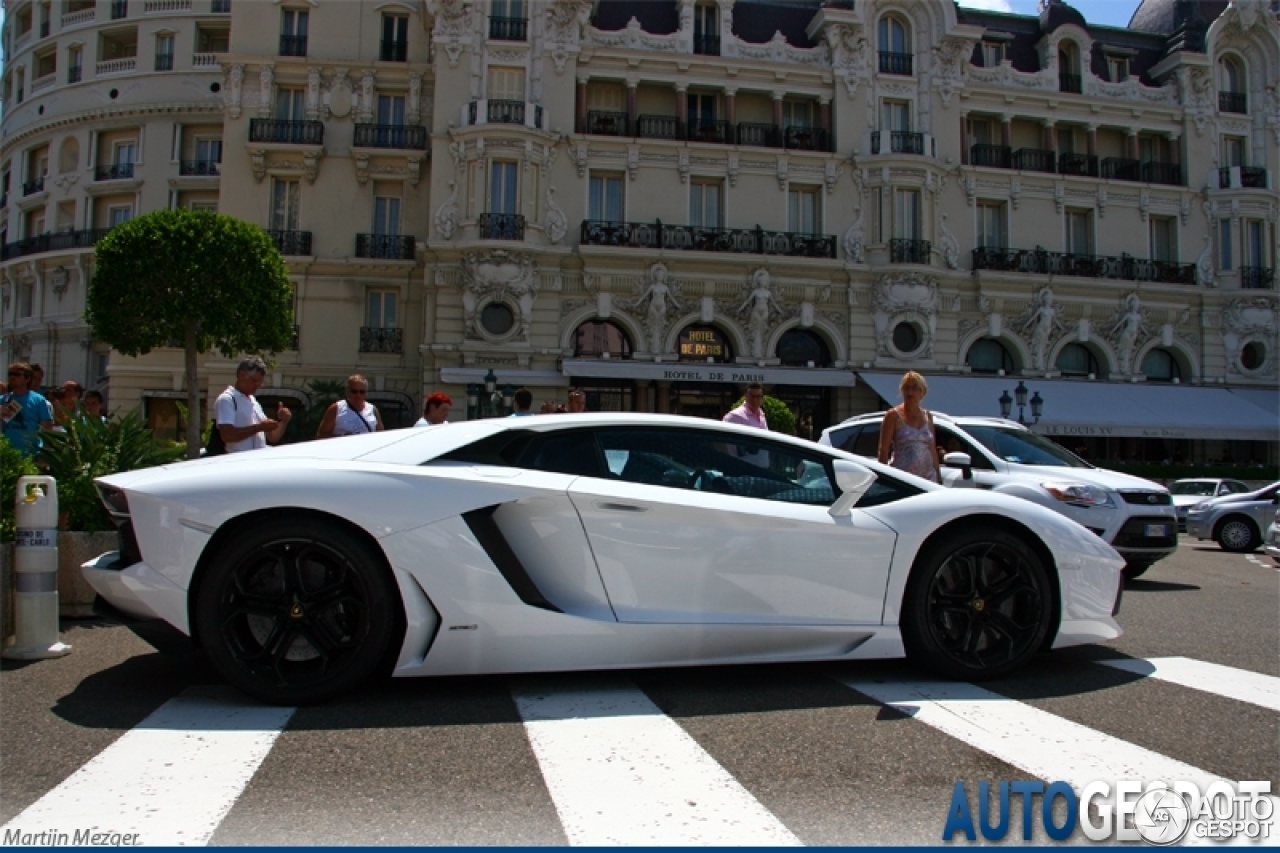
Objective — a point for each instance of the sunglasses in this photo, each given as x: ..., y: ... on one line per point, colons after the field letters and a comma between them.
x: 357, y: 390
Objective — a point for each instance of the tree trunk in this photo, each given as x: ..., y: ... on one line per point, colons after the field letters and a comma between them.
x: 194, y: 418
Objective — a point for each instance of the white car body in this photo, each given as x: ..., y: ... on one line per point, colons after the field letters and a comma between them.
x: 607, y: 572
x: 1134, y: 515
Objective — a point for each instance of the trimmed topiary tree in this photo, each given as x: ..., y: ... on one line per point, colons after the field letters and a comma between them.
x: 203, y: 279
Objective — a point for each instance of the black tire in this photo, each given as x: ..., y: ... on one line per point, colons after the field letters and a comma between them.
x: 298, y: 612
x: 1136, y: 568
x: 979, y: 605
x: 1237, y: 534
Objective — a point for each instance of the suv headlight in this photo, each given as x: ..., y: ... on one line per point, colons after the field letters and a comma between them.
x: 1079, y: 494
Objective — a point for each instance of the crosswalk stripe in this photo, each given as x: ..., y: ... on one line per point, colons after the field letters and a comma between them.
x: 171, y: 780
x: 621, y: 772
x: 1226, y: 681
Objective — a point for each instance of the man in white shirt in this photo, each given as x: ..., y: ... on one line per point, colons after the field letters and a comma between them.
x: 241, y: 421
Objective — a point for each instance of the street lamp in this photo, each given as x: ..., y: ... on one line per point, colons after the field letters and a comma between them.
x: 486, y: 401
x: 1020, y: 397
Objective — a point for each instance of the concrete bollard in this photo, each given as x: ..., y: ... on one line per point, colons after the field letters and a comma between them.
x: 35, y: 572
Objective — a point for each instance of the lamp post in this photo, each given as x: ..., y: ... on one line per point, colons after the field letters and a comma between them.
x: 486, y: 401
x: 1020, y: 397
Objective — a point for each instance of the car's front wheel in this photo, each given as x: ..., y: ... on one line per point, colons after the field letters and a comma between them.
x: 1237, y: 534
x: 297, y: 612
x: 979, y: 604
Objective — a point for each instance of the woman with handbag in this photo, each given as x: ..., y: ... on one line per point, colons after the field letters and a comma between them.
x: 354, y: 415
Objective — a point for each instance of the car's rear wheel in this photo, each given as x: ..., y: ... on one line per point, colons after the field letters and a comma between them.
x: 297, y: 612
x: 979, y: 605
x: 1237, y: 534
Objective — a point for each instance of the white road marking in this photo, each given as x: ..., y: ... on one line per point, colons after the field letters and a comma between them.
x: 171, y: 780
x: 1239, y: 684
x: 621, y: 772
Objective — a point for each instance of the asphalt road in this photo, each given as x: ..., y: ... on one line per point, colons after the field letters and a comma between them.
x: 782, y: 753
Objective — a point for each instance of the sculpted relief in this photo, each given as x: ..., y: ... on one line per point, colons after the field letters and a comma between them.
x: 498, y: 276
x: 1250, y: 321
x: 905, y: 297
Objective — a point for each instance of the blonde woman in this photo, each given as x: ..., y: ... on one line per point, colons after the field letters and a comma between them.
x: 907, y: 438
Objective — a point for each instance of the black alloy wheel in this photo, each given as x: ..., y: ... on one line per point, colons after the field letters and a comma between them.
x: 979, y: 605
x: 299, y: 613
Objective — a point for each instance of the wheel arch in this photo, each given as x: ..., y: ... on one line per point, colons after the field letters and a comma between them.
x: 275, y: 516
x: 1010, y: 526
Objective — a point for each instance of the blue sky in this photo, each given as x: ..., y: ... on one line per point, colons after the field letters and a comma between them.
x: 1113, y: 13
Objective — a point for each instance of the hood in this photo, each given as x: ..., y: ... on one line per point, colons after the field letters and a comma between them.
x: 1101, y: 477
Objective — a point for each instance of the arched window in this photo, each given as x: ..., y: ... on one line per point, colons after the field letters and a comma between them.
x: 1160, y: 365
x: 894, y: 46
x: 803, y: 348
x: 1232, y: 86
x: 989, y: 356
x: 1068, y: 68
x: 594, y: 338
x: 1077, y: 360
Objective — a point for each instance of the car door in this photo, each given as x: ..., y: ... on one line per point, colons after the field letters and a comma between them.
x: 698, y: 525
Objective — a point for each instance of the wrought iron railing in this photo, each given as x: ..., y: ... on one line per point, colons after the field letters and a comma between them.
x: 74, y: 73
x: 1233, y: 102
x: 1253, y: 177
x: 895, y: 63
x: 1070, y: 163
x: 291, y: 45
x: 508, y: 29
x: 759, y: 135
x: 33, y: 187
x: 706, y: 45
x: 164, y: 61
x: 501, y: 226
x: 395, y: 247
x: 114, y: 172
x: 375, y: 339
x: 291, y: 242
x: 505, y: 112
x: 1069, y: 83
x: 203, y: 168
x: 61, y: 241
x: 404, y: 136
x: 1040, y: 260
x: 288, y: 132
x: 906, y: 142
x: 805, y: 138
x: 660, y: 235
x: 708, y: 130
x: 604, y: 123
x: 1121, y: 169
x: 1033, y: 160
x: 658, y: 127
x: 903, y: 251
x: 393, y: 50
x: 995, y: 156
x: 1155, y: 172
x: 1257, y: 278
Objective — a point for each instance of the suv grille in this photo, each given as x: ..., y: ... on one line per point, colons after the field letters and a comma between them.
x: 1147, y: 498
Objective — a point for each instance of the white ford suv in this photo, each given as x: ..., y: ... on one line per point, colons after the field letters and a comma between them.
x: 1135, y: 516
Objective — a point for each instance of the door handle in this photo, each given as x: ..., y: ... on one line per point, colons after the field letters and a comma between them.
x: 611, y: 506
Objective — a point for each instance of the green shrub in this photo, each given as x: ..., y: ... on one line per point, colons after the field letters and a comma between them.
x: 12, y: 466
x: 92, y: 447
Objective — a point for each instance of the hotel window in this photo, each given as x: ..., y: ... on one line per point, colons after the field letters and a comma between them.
x: 391, y: 110
x: 380, y: 309
x: 503, y: 186
x: 293, y: 32
x: 26, y: 299
x: 892, y: 35
x: 119, y: 214
x: 505, y: 84
x: 284, y: 205
x: 164, y: 52
x: 395, y: 38
x: 1117, y: 69
x: 992, y: 228
x: 1079, y: 232
x: 1225, y: 259
x: 604, y: 201
x: 706, y: 29
x: 209, y: 150
x: 803, y: 210
x: 797, y: 114
x: 1254, y: 234
x: 123, y: 153
x: 386, y: 212
x: 982, y: 131
x: 1162, y: 239
x: 1233, y: 151
x: 906, y: 214
x: 992, y: 54
x: 75, y: 64
x: 291, y: 105
x: 704, y: 204
x: 895, y: 115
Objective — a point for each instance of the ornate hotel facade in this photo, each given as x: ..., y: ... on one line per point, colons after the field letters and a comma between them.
x: 660, y: 200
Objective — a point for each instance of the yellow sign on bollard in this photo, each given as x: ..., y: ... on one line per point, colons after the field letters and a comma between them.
x: 35, y: 572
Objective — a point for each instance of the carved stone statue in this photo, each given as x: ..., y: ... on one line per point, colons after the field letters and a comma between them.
x: 555, y: 222
x: 853, y: 239
x: 659, y: 293
x: 1043, y: 323
x: 446, y: 218
x: 1204, y: 264
x: 1128, y: 328
x: 762, y: 308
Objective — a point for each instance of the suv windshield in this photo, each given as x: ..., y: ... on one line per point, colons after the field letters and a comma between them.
x: 1024, y: 447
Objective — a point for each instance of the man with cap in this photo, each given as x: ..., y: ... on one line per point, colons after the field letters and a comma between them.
x: 241, y: 421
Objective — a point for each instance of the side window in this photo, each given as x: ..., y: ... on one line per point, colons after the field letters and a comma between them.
x: 953, y: 443
x: 709, y: 462
x: 862, y: 440
x: 565, y: 453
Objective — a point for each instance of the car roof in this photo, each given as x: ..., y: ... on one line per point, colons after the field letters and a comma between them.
x: 938, y: 417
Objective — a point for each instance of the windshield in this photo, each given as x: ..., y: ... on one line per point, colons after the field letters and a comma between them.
x: 1024, y: 447
x: 1204, y: 487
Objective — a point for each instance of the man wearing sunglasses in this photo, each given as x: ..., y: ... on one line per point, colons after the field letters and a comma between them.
x: 24, y: 411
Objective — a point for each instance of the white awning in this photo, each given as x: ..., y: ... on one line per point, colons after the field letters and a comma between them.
x: 683, y: 371
x: 1100, y: 409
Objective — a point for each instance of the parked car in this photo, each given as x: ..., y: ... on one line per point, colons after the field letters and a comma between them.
x: 1272, y: 545
x: 599, y: 541
x: 1235, y: 522
x: 1135, y: 516
x: 1194, y: 490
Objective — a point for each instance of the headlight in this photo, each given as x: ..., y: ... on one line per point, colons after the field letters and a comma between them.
x: 1079, y: 494
x: 1198, y: 508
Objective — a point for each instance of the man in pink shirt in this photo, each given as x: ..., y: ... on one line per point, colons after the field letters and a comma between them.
x: 751, y: 414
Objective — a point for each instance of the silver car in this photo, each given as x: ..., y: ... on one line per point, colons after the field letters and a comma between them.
x: 1187, y: 493
x: 1235, y: 522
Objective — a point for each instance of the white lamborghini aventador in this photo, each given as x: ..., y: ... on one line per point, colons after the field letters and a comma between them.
x: 588, y: 541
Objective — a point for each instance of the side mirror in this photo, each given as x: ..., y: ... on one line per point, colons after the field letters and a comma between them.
x: 956, y: 459
x: 853, y: 480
